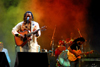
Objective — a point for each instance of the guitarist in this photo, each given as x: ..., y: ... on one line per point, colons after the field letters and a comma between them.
x: 76, y: 45
x: 30, y: 25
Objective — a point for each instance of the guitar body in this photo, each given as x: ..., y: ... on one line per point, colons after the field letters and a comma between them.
x: 72, y: 57
x: 21, y: 41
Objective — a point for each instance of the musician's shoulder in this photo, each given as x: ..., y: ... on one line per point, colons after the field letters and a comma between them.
x: 20, y: 23
x: 34, y: 22
x: 4, y: 50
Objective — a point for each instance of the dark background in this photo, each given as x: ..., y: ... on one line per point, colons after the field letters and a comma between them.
x: 66, y: 15
x: 94, y: 21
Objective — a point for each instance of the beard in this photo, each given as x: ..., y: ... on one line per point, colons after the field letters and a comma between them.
x: 27, y: 21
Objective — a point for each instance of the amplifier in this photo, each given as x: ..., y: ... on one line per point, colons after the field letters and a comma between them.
x: 90, y: 59
x: 90, y: 62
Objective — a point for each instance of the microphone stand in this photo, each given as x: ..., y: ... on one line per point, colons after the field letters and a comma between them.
x: 52, y: 41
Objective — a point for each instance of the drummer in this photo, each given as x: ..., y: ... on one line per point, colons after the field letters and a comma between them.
x: 69, y: 42
x: 61, y: 47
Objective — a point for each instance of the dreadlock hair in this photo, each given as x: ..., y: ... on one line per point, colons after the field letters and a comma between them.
x: 28, y: 12
x: 79, y: 39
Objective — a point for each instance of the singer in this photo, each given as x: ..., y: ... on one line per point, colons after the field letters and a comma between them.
x: 29, y: 24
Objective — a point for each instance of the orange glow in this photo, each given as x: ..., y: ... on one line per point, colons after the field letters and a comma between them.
x: 67, y: 15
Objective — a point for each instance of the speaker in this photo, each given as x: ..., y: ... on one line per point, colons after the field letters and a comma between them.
x: 30, y: 59
x: 3, y: 60
x: 90, y: 62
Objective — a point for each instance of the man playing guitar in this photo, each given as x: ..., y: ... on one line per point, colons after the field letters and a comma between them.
x: 76, y: 45
x: 28, y: 24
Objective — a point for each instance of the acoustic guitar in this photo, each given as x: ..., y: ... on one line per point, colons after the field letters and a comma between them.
x: 22, y: 41
x: 72, y: 57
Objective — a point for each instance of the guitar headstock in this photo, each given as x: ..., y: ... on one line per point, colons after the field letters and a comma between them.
x: 91, y: 51
x: 43, y: 28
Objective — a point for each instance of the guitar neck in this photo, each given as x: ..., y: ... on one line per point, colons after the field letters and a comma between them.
x: 32, y: 32
x: 86, y: 52
x: 83, y: 53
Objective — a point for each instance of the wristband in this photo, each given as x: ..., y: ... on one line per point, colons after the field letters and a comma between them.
x: 18, y: 34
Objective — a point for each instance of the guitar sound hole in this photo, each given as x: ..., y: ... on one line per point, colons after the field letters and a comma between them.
x: 24, y: 39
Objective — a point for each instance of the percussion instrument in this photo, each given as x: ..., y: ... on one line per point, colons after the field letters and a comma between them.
x: 59, y: 49
x: 63, y: 59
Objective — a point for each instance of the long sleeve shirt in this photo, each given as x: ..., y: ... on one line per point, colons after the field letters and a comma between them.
x: 34, y: 26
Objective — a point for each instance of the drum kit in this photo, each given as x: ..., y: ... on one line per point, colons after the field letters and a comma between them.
x: 63, y: 59
x: 61, y: 53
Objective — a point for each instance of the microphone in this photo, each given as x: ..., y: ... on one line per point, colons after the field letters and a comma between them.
x: 28, y: 18
x: 27, y: 21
